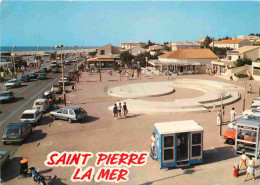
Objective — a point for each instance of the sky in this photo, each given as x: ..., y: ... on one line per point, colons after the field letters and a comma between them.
x: 88, y: 23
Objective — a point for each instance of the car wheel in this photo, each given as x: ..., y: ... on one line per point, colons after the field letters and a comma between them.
x: 69, y: 120
x: 231, y: 142
x: 53, y: 117
x: 5, y: 143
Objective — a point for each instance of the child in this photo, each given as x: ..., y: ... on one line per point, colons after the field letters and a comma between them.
x: 243, y: 159
x: 125, y: 109
x: 119, y: 109
x: 250, y: 168
x: 115, y: 111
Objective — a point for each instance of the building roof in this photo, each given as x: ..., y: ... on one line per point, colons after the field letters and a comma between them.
x: 246, y: 48
x: 155, y: 47
x: 234, y: 41
x: 178, y: 127
x: 190, y: 54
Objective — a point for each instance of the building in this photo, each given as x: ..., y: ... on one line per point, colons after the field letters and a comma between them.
x: 249, y: 52
x: 201, y: 40
x: 251, y: 38
x: 185, y: 61
x: 129, y: 45
x: 155, y: 49
x: 136, y: 50
x: 184, y: 45
x: 106, y: 55
x: 233, y: 44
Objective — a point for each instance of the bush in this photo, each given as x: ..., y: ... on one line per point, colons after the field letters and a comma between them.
x: 241, y: 75
x: 244, y: 61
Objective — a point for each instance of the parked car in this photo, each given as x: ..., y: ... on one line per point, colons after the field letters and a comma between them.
x: 44, y: 69
x: 69, y: 113
x: 50, y: 96
x: 42, y: 76
x: 54, y: 64
x: 56, y: 70
x: 25, y: 78
x: 56, y: 88
x: 31, y: 116
x: 33, y: 75
x: 12, y: 83
x: 67, y: 62
x: 256, y: 100
x: 4, y: 158
x: 6, y: 96
x: 37, y: 72
x: 66, y: 81
x: 230, y: 136
x: 41, y: 104
x: 16, y: 133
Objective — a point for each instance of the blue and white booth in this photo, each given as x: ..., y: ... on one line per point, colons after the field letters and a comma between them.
x: 178, y: 143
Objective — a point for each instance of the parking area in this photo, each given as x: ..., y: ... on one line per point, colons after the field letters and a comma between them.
x: 101, y: 132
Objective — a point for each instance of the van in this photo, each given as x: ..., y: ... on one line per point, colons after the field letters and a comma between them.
x: 41, y: 104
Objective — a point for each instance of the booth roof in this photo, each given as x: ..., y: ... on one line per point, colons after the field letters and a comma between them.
x: 177, y: 127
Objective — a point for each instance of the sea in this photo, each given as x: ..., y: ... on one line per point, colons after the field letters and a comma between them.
x: 41, y: 48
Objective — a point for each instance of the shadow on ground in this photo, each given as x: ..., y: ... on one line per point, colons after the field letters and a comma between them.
x: 11, y: 170
x: 45, y: 121
x: 36, y: 135
x: 89, y: 119
x: 17, y: 99
x: 55, y: 180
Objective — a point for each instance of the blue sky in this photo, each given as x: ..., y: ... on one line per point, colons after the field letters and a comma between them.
x: 98, y: 23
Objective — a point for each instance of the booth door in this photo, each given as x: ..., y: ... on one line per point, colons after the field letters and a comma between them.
x: 168, y: 148
x: 196, y: 145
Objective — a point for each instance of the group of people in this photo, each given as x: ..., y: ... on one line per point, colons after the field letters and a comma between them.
x: 221, y: 113
x: 250, y: 166
x: 117, y: 110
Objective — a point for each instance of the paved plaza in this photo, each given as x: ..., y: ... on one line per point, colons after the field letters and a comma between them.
x: 101, y: 132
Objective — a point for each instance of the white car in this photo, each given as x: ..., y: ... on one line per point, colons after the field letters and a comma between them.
x: 257, y: 100
x: 41, y: 104
x: 13, y: 83
x: 31, y: 116
x: 66, y: 81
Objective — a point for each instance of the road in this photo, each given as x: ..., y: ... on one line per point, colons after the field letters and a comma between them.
x: 25, y: 97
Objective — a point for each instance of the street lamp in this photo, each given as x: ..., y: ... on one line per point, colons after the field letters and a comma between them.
x: 14, y: 61
x: 244, y: 102
x: 62, y: 73
x: 221, y: 96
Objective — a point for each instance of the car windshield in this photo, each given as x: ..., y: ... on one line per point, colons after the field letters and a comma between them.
x: 39, y: 103
x: 79, y: 111
x: 12, y: 131
x: 5, y: 94
x: 10, y: 81
x: 27, y: 116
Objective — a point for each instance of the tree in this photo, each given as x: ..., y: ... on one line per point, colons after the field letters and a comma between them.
x: 243, y: 61
x: 206, y: 42
x: 126, y: 57
x: 165, y: 47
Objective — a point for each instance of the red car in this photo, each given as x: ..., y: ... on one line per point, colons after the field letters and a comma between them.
x: 230, y: 136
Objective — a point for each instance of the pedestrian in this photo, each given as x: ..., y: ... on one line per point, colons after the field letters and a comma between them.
x: 250, y: 168
x: 125, y: 109
x: 127, y: 76
x: 152, y: 142
x: 214, y: 107
x: 250, y: 88
x: 223, y: 113
x: 115, y: 111
x: 243, y: 159
x: 233, y: 114
x: 119, y: 109
x: 72, y: 88
x: 219, y: 118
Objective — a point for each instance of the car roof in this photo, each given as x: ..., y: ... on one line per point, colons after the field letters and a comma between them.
x: 5, y: 92
x: 71, y: 107
x: 40, y: 100
x: 30, y: 111
x: 12, y: 80
x: 16, y: 125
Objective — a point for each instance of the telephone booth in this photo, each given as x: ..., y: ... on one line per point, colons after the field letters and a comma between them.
x: 178, y: 143
x: 247, y: 137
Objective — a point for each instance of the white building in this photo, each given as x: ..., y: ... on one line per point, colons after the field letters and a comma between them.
x: 233, y: 44
x: 186, y: 61
x: 251, y: 38
x: 129, y: 45
x: 184, y: 45
x: 136, y: 50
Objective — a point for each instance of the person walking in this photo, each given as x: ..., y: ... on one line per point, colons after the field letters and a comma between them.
x: 119, y: 109
x: 250, y: 168
x: 72, y: 88
x: 125, y: 109
x: 223, y: 113
x: 233, y: 114
x: 249, y: 89
x: 219, y: 118
x: 115, y: 111
x: 243, y: 159
x: 152, y: 142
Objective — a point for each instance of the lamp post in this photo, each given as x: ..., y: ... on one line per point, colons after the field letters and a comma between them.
x: 244, y: 101
x: 14, y: 61
x: 221, y: 96
x: 99, y: 70
x: 62, y: 73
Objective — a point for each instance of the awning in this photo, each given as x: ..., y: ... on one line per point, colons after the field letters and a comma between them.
x: 100, y: 60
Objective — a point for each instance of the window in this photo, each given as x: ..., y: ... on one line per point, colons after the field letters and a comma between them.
x: 256, y: 71
x: 60, y: 111
x: 229, y: 57
x: 102, y: 52
x: 71, y: 112
x: 65, y: 111
x: 196, y: 145
x: 168, y: 148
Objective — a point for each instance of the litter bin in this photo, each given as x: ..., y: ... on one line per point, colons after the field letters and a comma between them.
x: 23, y: 166
x: 235, y: 169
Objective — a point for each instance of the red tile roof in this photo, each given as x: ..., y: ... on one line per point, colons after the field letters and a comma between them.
x: 190, y: 54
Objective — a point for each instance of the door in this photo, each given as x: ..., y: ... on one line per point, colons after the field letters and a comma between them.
x: 65, y: 114
x: 168, y: 148
x: 196, y: 145
x: 183, y: 146
x: 59, y: 114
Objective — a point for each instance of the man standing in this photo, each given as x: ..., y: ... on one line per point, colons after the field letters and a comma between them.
x: 233, y: 115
